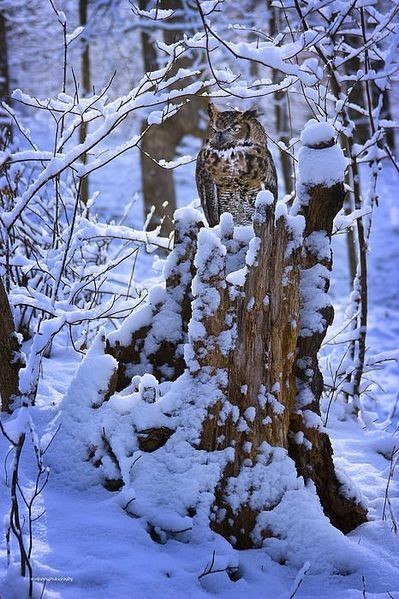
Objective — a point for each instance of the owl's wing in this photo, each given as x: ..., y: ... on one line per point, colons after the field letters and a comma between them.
x: 207, y: 191
x: 270, y: 173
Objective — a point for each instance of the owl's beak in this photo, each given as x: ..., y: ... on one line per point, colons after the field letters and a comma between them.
x: 220, y: 137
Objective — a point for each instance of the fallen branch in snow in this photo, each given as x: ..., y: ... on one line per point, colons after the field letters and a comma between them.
x: 300, y: 578
x: 22, y: 517
x: 231, y: 571
x: 393, y: 463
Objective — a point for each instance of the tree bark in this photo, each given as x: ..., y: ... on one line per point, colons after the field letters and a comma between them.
x: 9, y: 349
x: 313, y: 454
x: 260, y: 380
x: 5, y: 123
x: 160, y: 142
x: 281, y: 108
x: 86, y: 89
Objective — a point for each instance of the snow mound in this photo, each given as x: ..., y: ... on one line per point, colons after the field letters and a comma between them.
x: 316, y: 133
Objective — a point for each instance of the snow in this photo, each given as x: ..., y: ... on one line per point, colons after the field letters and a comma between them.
x: 312, y: 287
x: 264, y: 198
x: 136, y: 321
x: 87, y: 536
x: 208, y: 6
x: 281, y: 211
x: 238, y: 277
x: 250, y: 414
x: 316, y: 133
x: 72, y: 37
x: 154, y: 13
x: 209, y: 259
x: 272, y: 56
x: 253, y: 248
x: 322, y: 166
x: 294, y: 546
x: 264, y: 202
x: 264, y: 484
x: 155, y: 117
x: 148, y: 388
x: 145, y: 540
x: 317, y: 244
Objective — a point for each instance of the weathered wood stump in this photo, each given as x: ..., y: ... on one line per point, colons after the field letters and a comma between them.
x: 246, y: 314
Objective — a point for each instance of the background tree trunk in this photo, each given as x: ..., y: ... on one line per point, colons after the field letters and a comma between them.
x: 9, y: 348
x: 161, y: 142
x: 5, y: 123
x: 281, y: 108
x: 86, y: 88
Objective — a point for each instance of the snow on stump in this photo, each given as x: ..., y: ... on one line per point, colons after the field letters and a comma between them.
x: 153, y: 338
x: 215, y: 421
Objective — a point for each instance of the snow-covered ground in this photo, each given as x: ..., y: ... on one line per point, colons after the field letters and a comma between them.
x: 87, y: 547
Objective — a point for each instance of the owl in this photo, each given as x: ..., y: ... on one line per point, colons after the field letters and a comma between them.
x: 233, y: 165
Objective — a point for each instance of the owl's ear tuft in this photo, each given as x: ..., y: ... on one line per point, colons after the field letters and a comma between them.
x: 252, y: 113
x: 212, y: 111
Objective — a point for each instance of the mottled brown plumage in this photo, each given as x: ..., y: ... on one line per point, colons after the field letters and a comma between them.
x: 233, y: 166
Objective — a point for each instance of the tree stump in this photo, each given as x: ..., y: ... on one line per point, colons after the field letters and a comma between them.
x: 236, y: 332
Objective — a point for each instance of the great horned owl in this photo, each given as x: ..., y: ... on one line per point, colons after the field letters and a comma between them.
x: 233, y: 165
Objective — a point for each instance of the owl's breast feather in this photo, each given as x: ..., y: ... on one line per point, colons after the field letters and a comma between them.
x: 227, y: 165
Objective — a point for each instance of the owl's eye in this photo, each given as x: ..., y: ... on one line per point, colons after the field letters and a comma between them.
x: 236, y: 128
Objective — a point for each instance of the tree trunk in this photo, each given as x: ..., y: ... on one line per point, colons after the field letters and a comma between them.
x: 159, y: 195
x: 281, y: 108
x: 160, y: 142
x: 260, y: 381
x: 86, y: 89
x: 273, y: 375
x: 313, y: 454
x: 9, y: 349
x: 5, y: 122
